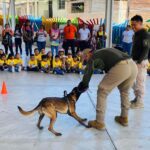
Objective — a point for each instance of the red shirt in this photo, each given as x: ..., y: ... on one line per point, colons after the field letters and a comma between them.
x: 69, y: 32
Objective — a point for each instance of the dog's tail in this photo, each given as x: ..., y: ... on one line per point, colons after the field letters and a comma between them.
x: 27, y: 113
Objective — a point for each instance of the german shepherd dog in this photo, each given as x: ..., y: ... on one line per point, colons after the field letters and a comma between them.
x: 49, y: 106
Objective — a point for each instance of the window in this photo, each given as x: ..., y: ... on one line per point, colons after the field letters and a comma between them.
x: 61, y: 4
x: 77, y: 7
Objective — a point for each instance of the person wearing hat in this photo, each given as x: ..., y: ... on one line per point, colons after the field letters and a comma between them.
x: 121, y: 72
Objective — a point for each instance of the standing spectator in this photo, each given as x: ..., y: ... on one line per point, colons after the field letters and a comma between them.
x: 84, y: 36
x: 7, y: 34
x: 69, y: 37
x: 140, y: 51
x: 127, y: 39
x: 54, y: 36
x: 28, y: 37
x: 101, y: 37
x: 41, y: 38
x: 18, y: 38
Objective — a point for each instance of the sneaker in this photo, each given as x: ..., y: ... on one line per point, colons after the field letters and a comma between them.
x: 80, y: 73
x: 63, y: 73
x: 122, y: 120
x: 136, y: 105
x: 19, y: 69
x: 13, y: 69
x: 96, y: 125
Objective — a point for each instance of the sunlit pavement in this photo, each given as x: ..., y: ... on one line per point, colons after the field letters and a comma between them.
x: 18, y: 132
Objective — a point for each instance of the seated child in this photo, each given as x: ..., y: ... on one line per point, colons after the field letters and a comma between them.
x: 57, y: 66
x: 69, y: 61
x: 62, y: 57
x: 45, y: 64
x: 32, y: 64
x: 148, y: 69
x: 18, y: 63
x: 43, y: 52
x: 37, y: 56
x: 79, y: 56
x: 3, y: 63
x: 11, y: 63
x: 76, y: 65
x: 50, y: 59
x: 1, y: 53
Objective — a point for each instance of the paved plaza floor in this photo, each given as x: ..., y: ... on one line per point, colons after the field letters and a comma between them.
x: 18, y: 132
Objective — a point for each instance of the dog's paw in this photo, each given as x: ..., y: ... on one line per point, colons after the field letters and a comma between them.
x: 83, y: 120
x: 87, y: 126
x: 40, y: 127
x: 58, y: 134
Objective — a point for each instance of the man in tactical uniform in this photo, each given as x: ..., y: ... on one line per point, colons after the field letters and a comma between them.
x: 140, y: 51
x: 121, y: 72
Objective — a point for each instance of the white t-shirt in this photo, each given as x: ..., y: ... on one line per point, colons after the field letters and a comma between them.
x: 41, y: 36
x: 84, y: 33
x: 127, y: 36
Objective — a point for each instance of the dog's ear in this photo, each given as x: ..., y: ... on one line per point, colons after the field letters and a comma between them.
x: 65, y: 93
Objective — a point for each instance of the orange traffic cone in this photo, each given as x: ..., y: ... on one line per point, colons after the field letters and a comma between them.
x: 4, y: 89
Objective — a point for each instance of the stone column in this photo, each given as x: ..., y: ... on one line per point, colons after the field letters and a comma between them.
x: 108, y: 17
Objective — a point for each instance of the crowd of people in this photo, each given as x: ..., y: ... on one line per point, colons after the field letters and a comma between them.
x: 65, y: 55
x: 122, y: 70
x: 72, y: 37
x: 43, y: 62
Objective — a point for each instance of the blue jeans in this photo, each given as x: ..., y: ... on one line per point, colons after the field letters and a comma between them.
x: 127, y: 47
x: 11, y: 69
x: 28, y: 47
x: 54, y: 50
x: 41, y: 45
x: 58, y: 71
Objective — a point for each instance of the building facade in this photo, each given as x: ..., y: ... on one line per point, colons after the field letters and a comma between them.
x: 85, y: 9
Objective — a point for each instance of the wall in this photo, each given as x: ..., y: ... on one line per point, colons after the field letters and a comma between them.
x: 93, y: 9
x: 141, y: 7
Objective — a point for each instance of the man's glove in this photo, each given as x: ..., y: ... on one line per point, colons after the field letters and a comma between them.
x: 82, y: 88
